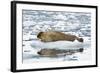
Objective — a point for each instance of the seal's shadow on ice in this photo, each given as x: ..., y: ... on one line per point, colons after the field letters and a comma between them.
x: 56, y: 52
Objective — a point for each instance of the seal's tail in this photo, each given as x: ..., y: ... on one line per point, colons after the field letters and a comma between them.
x: 79, y: 39
x: 80, y: 50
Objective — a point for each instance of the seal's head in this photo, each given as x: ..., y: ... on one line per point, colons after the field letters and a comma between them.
x: 39, y: 53
x: 40, y: 35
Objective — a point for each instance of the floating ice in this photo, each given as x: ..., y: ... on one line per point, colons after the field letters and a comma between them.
x: 60, y: 44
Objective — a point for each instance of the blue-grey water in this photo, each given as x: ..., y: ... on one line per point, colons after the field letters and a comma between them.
x: 35, y: 21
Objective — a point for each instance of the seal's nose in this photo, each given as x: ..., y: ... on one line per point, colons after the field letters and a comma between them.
x: 39, y: 53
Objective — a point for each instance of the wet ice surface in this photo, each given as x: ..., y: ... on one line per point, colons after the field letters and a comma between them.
x: 76, y: 23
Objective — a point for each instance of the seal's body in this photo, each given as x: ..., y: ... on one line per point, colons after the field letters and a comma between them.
x: 51, y: 36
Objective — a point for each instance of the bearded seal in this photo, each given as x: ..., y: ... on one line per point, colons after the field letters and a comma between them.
x: 51, y: 36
